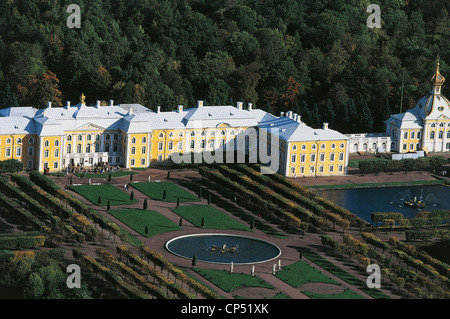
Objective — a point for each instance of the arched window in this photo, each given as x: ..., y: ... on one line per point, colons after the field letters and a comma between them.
x: 202, y: 144
x: 432, y: 135
x: 56, y: 143
x: 107, y: 147
x: 294, y: 147
x: 143, y: 150
x: 133, y: 150
x: 69, y: 138
x: 79, y: 148
x: 19, y: 140
x: 97, y: 147
x: 212, y: 143
x: 46, y: 143
x: 144, y: 140
x: 192, y: 145
x: 133, y: 140
x: 161, y: 135
x: 88, y: 148
x: 69, y: 148
x: 80, y: 137
x: 441, y: 134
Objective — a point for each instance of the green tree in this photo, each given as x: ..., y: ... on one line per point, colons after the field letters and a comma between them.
x: 34, y: 287
x: 145, y: 204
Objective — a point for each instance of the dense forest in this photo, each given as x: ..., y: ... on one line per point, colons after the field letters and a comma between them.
x: 316, y: 57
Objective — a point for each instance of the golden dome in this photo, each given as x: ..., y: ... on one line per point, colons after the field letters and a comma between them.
x: 437, y: 78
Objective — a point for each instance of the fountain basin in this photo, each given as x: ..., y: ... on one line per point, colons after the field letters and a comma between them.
x: 223, y: 248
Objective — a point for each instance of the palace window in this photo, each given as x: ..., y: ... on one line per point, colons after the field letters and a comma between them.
x: 97, y: 137
x: 441, y: 134
x: 161, y: 135
x: 322, y: 157
x: 143, y: 150
x: 46, y: 153
x: 180, y: 145
x: 97, y: 147
x: 79, y: 148
x: 46, y: 143
x: 88, y: 148
x: 30, y: 151
x: 133, y: 140
x: 294, y: 147
x: 302, y: 158
x: 170, y: 146
x: 133, y: 150
x: 192, y: 144
x: 107, y: 147
x: 160, y: 146
x: 80, y: 137
x: 293, y: 158
x: 57, y: 153
x: 313, y: 157
x: 332, y: 157
x: 18, y: 151
x: 69, y: 148
x: 432, y: 135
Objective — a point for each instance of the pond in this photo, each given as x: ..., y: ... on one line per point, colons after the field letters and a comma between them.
x: 365, y: 201
x: 223, y: 248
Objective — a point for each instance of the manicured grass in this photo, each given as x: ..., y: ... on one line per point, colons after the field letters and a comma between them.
x: 346, y: 294
x: 228, y: 281
x: 137, y: 219
x: 155, y: 190
x: 106, y: 192
x: 213, y: 217
x: 300, y: 273
x: 105, y: 175
x: 335, y: 270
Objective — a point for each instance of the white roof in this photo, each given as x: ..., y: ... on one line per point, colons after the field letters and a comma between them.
x: 290, y: 130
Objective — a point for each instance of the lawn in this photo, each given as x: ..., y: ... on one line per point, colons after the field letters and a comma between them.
x: 300, y: 273
x: 137, y: 219
x: 228, y: 281
x: 346, y: 294
x: 106, y: 192
x: 213, y: 218
x: 342, y: 274
x: 155, y: 190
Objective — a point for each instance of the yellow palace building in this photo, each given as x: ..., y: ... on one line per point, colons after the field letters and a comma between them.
x: 133, y: 136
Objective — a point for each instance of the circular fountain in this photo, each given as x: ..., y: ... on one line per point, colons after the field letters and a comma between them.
x: 223, y: 248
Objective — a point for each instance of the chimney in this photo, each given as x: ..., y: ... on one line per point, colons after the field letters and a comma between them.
x: 158, y: 109
x: 325, y: 126
x: 199, y: 103
x: 299, y: 118
x: 250, y: 106
x: 239, y: 105
x: 111, y: 102
x: 281, y: 114
x: 294, y: 117
x: 98, y: 103
x: 289, y: 114
x: 131, y: 110
x: 49, y: 105
x: 68, y: 105
x: 180, y: 108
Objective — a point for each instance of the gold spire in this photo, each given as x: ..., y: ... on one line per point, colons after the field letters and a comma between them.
x: 437, y: 78
x: 83, y: 98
